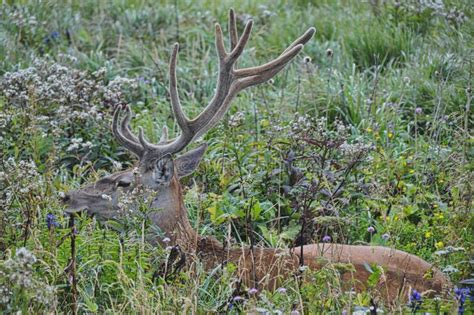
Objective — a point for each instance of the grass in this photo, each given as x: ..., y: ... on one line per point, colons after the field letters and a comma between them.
x: 399, y: 76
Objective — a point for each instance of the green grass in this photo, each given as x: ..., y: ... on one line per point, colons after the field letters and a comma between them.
x: 387, y: 61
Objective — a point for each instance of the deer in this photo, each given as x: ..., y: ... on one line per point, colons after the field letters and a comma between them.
x: 159, y: 171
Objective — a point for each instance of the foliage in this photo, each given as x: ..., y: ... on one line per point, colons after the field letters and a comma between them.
x: 365, y: 139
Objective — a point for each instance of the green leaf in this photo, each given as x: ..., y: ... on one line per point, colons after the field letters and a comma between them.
x: 256, y: 210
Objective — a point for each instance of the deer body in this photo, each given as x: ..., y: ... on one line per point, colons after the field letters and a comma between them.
x: 159, y: 172
x: 268, y: 267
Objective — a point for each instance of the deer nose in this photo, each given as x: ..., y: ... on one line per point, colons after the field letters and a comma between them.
x: 65, y: 197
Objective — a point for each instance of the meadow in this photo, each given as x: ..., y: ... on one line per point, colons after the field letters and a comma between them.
x: 365, y: 138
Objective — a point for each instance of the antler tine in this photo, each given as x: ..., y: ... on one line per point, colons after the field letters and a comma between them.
x: 125, y: 126
x: 233, y: 35
x: 303, y: 39
x: 257, y: 75
x: 220, y: 48
x: 180, y: 116
x: 287, y: 55
x: 239, y: 48
x: 164, y: 135
x: 126, y: 139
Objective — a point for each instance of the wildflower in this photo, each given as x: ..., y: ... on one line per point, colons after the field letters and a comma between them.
x: 428, y: 234
x: 238, y: 298
x: 25, y: 257
x: 264, y: 123
x: 326, y: 239
x: 418, y: 110
x: 281, y: 290
x: 439, y: 245
x: 371, y: 229
x: 415, y: 300
x: 166, y: 240
x: 253, y: 291
x: 295, y: 312
x: 237, y: 119
x: 386, y: 236
x: 51, y: 221
x: 460, y: 295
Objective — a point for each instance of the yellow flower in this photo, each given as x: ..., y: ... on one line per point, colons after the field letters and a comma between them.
x: 412, y: 171
x: 428, y: 234
x: 369, y: 129
x: 439, y: 245
x: 390, y: 135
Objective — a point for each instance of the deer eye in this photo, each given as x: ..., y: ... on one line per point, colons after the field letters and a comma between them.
x: 123, y: 184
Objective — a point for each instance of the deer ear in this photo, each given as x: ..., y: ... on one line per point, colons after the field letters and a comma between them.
x: 163, y: 170
x: 187, y: 163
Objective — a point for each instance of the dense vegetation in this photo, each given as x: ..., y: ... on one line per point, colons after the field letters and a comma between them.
x: 365, y: 139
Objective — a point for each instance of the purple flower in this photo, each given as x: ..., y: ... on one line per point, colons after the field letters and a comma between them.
x: 51, y: 37
x: 415, y: 295
x: 326, y: 238
x: 371, y: 229
x: 253, y: 291
x: 418, y: 110
x: 385, y: 236
x: 461, y: 294
x: 415, y: 300
x: 238, y: 298
x: 51, y: 221
x: 143, y: 80
x: 281, y: 290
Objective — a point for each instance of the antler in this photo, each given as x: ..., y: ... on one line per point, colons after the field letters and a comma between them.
x: 230, y: 82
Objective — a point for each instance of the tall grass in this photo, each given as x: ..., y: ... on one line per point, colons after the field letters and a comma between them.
x: 399, y: 76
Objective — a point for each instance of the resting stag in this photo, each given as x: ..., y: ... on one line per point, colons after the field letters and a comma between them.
x: 159, y: 170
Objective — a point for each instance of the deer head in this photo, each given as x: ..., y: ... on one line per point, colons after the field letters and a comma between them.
x: 158, y: 169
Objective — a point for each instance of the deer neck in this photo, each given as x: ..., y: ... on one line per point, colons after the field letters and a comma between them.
x: 171, y: 217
